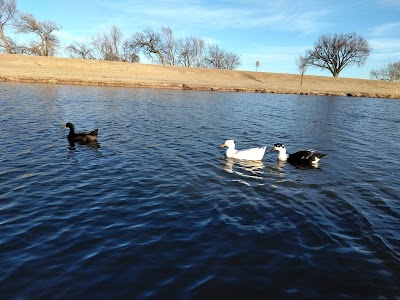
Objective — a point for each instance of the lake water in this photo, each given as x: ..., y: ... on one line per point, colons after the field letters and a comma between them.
x: 155, y: 211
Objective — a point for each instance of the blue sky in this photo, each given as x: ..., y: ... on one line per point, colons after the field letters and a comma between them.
x: 272, y: 32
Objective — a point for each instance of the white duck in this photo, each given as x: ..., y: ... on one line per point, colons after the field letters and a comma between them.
x: 247, y: 154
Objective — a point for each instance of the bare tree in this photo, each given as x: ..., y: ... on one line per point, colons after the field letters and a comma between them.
x: 217, y: 58
x: 150, y: 43
x: 232, y: 60
x: 191, y: 52
x: 302, y: 65
x: 15, y: 47
x: 198, y: 48
x: 107, y: 45
x: 127, y: 54
x: 8, y: 10
x: 390, y: 73
x: 48, y: 41
x: 115, y: 38
x: 336, y: 52
x: 80, y: 50
x: 169, y: 46
x: 185, y: 55
x: 257, y: 65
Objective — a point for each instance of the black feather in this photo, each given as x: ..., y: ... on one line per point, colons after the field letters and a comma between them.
x: 81, y: 136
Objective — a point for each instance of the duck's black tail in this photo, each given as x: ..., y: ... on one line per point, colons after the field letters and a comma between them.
x: 95, y: 132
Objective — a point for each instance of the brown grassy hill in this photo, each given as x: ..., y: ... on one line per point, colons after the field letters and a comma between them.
x: 23, y: 68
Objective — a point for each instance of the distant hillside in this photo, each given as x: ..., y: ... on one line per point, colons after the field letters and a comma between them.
x: 23, y: 68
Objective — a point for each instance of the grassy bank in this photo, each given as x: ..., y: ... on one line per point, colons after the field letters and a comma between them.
x: 23, y: 68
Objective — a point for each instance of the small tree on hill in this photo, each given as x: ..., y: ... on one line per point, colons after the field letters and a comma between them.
x: 302, y: 66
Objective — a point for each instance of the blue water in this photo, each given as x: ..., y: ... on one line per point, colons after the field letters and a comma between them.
x: 155, y: 211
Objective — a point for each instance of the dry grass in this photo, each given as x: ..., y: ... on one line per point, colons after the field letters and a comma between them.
x: 21, y: 68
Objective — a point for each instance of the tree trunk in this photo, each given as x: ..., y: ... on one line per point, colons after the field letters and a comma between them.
x: 161, y: 57
x: 3, y: 37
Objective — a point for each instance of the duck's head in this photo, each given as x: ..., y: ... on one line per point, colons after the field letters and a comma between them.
x: 69, y: 125
x: 279, y: 148
x: 229, y: 144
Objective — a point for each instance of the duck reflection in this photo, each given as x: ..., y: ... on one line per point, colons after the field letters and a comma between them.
x: 280, y: 165
x: 91, y: 144
x: 303, y: 166
x: 306, y: 166
x: 278, y: 168
x: 247, y: 168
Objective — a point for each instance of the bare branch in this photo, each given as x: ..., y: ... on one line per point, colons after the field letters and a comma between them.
x: 149, y: 42
x: 302, y: 65
x: 107, y: 45
x: 390, y: 73
x: 217, y: 58
x: 80, y: 50
x: 44, y: 30
x: 8, y: 10
x: 190, y: 52
x: 169, y: 46
x: 128, y: 55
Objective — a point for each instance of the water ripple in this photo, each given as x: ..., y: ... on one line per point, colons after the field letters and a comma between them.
x: 156, y: 210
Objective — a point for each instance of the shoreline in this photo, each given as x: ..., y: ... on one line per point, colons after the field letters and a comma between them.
x: 54, y: 70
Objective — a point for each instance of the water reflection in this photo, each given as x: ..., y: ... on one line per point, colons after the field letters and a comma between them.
x: 277, y: 169
x: 91, y: 144
x: 246, y: 168
x: 303, y: 166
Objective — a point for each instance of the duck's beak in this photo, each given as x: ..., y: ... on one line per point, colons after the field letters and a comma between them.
x: 64, y: 126
x: 272, y: 150
x: 223, y: 145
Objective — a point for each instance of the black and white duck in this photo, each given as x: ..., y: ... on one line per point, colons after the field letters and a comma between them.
x: 81, y: 136
x: 306, y: 157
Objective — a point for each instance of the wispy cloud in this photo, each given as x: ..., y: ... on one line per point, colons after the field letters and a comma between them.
x: 385, y: 42
x: 388, y: 29
x: 387, y: 47
x: 237, y: 15
x: 393, y: 3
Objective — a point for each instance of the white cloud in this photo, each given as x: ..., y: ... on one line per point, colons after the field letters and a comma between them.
x: 384, y: 51
x: 385, y: 45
